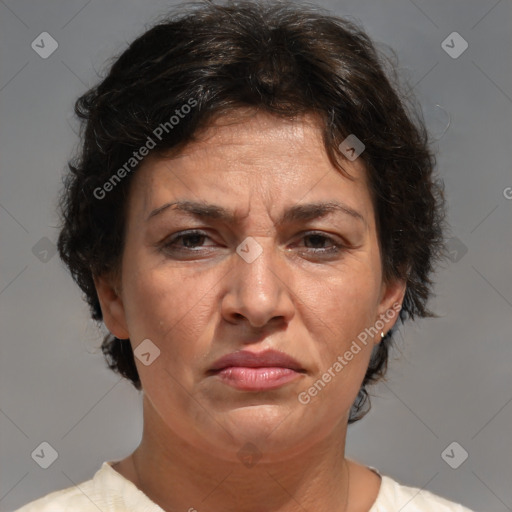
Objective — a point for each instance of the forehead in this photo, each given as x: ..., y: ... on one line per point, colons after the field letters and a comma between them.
x: 249, y: 158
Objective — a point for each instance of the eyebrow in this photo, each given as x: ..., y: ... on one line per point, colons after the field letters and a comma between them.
x: 299, y: 212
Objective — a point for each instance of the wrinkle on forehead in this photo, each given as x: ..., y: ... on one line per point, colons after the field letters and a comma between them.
x: 299, y: 143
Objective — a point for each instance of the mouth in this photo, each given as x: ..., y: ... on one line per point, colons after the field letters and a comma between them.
x: 249, y: 371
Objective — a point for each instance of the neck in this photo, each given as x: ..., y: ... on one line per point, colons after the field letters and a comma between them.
x: 178, y: 476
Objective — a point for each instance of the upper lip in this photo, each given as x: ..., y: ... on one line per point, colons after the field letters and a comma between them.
x: 268, y: 358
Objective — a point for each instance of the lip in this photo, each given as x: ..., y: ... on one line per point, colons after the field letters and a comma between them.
x: 265, y: 359
x: 250, y: 371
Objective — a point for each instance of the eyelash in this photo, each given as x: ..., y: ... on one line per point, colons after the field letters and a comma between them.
x: 168, y: 246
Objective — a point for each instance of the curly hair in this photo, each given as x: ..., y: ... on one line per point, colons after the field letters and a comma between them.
x: 281, y: 57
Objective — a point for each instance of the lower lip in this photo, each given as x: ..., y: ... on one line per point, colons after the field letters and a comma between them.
x: 257, y: 379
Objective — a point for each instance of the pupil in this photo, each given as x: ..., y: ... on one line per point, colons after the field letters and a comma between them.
x: 318, y: 238
x: 193, y: 237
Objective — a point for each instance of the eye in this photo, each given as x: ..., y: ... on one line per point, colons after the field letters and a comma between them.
x: 320, y: 239
x: 192, y: 241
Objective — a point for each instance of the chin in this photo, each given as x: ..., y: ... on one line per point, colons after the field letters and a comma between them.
x: 271, y: 428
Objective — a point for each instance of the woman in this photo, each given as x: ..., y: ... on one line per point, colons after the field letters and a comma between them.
x: 252, y: 211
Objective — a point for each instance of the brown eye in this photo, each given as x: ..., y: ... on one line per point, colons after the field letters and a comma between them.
x: 319, y: 239
x: 189, y: 241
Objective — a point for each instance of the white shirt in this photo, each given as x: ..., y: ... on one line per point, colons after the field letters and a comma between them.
x: 112, y: 492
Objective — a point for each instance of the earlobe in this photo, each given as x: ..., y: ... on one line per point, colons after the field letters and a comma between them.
x: 392, y: 297
x: 112, y: 307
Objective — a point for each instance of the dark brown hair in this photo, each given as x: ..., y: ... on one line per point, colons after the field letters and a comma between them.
x: 284, y: 58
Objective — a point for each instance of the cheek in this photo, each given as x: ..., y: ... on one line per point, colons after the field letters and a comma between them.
x: 341, y: 314
x: 171, y: 309
x: 340, y: 311
x: 347, y: 301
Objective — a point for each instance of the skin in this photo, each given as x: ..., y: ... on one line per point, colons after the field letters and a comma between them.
x: 204, y: 301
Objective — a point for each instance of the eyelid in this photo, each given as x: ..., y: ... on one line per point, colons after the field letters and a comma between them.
x: 179, y: 234
x: 335, y: 244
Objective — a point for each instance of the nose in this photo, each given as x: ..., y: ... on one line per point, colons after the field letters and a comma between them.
x: 259, y: 291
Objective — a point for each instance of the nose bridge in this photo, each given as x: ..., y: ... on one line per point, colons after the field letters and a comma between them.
x: 259, y: 287
x: 258, y: 262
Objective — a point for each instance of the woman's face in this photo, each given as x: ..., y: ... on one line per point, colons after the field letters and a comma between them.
x: 276, y: 276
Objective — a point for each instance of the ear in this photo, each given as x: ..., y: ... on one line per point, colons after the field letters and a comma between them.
x: 111, y: 306
x: 391, y: 299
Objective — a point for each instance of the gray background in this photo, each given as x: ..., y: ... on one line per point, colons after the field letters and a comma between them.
x: 451, y: 380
